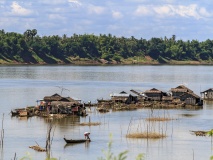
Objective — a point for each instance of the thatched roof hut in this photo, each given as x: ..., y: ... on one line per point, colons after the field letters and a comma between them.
x: 57, y: 97
x: 154, y: 94
x: 190, y: 98
x: 124, y: 97
x: 54, y: 97
x: 179, y: 90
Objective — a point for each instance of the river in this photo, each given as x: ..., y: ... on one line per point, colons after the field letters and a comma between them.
x: 21, y: 86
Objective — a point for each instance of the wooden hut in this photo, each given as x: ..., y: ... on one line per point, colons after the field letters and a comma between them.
x: 154, y: 94
x: 54, y: 97
x: 124, y: 97
x: 180, y: 90
x: 190, y: 98
x: 207, y: 94
x: 56, y: 104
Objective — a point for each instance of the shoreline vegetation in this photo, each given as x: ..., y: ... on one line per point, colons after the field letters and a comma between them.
x: 88, y: 49
x: 88, y: 62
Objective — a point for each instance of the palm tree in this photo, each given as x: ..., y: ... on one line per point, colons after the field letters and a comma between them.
x: 27, y: 34
x: 33, y: 33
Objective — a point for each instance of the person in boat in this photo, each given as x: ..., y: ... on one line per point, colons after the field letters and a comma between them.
x: 86, y: 135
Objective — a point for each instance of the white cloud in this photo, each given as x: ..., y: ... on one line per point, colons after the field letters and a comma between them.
x: 96, y: 9
x: 52, y: 2
x: 192, y: 10
x: 55, y: 16
x: 76, y: 2
x: 164, y: 10
x: 19, y: 10
x: 187, y: 11
x: 204, y: 12
x: 142, y: 10
x: 116, y: 14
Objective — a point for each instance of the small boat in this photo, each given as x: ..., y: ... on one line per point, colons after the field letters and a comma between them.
x: 76, y: 140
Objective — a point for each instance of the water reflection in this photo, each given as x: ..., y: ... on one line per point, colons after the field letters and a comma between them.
x: 208, y: 105
x: 67, y: 121
x: 85, y: 144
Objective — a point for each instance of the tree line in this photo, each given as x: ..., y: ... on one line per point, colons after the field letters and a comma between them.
x: 32, y: 48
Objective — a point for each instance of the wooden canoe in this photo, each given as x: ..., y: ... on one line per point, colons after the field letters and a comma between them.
x: 76, y: 140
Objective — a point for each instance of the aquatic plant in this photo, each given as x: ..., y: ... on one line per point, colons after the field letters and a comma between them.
x: 159, y: 119
x: 29, y: 157
x: 90, y: 124
x: 149, y: 135
x: 154, y: 128
x: 188, y: 115
x: 210, y: 133
x: 109, y: 155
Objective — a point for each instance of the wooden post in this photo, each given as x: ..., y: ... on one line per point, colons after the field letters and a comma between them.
x: 2, y: 132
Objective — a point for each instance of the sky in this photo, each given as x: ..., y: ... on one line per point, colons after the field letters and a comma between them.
x: 187, y: 19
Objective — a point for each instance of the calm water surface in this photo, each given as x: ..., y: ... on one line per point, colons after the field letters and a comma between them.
x: 21, y: 86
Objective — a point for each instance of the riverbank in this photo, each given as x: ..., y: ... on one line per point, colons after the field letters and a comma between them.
x: 130, y: 61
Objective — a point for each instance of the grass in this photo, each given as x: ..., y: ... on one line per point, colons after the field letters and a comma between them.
x: 145, y: 135
x: 37, y: 58
x: 159, y: 119
x: 188, y: 115
x: 90, y: 124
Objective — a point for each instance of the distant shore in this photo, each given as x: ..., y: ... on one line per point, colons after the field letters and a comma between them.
x: 105, y: 62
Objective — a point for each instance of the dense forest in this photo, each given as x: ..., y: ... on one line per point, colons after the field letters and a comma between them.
x: 30, y: 48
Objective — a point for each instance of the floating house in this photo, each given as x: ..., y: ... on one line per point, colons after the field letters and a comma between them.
x: 154, y: 94
x: 56, y: 104
x: 180, y: 90
x: 190, y: 98
x: 185, y: 95
x: 207, y: 94
x: 124, y: 97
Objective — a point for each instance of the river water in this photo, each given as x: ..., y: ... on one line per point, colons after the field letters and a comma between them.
x: 21, y: 86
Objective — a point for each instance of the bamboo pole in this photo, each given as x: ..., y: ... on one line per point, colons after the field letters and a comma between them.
x: 2, y: 132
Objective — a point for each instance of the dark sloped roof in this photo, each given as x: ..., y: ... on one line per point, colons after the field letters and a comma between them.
x: 67, y: 99
x: 192, y: 94
x: 123, y: 92
x: 153, y: 90
x: 178, y: 90
x: 208, y: 90
x: 183, y: 87
x: 54, y: 97
x: 57, y: 97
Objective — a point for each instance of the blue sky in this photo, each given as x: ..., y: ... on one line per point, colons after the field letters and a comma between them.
x: 187, y: 19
